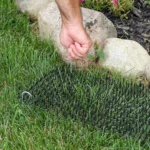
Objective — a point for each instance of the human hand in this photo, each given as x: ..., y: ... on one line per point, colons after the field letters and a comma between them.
x: 75, y: 39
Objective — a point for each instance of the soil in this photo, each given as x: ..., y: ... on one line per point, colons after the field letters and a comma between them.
x: 137, y: 24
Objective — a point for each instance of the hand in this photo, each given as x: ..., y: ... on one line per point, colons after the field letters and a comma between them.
x: 75, y: 39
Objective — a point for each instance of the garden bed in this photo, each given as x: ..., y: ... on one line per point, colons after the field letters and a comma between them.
x: 136, y: 25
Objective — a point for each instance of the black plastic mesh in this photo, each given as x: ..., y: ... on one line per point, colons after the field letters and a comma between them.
x: 106, y: 103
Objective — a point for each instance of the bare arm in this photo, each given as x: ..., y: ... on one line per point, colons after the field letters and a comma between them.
x: 73, y: 35
x: 70, y: 11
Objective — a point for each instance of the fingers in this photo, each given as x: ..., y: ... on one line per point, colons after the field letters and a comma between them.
x: 72, y: 55
x: 76, y: 51
x: 81, y: 50
x: 73, y: 52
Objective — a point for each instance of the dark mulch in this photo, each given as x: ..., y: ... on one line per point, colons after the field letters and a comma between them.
x: 137, y: 26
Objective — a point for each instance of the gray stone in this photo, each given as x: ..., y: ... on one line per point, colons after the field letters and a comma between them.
x: 96, y: 24
x: 147, y: 72
x: 125, y: 56
x: 32, y: 7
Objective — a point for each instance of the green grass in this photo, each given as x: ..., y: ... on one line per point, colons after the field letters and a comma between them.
x: 23, y: 60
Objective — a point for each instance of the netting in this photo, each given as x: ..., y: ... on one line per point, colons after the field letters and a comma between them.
x: 109, y: 104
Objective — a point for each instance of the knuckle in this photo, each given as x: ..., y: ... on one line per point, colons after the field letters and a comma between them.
x: 84, y: 52
x: 72, y: 56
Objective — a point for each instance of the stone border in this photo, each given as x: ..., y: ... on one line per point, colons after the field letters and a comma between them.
x: 120, y: 55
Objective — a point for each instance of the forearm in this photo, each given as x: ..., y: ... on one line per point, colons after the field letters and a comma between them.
x: 70, y: 11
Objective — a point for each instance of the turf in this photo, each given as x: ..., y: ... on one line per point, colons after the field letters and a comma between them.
x: 23, y: 60
x: 107, y: 102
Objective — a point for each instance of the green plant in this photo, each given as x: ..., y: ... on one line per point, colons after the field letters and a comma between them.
x: 122, y: 8
x: 99, y: 53
x: 117, y: 7
x: 147, y: 2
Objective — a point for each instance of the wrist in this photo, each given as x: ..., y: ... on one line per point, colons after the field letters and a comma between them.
x: 70, y: 12
x: 72, y: 23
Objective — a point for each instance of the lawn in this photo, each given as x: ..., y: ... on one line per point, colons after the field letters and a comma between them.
x: 23, y: 60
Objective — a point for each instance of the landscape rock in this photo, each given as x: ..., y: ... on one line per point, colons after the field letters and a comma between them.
x: 147, y: 72
x: 125, y: 56
x: 32, y: 7
x: 96, y: 24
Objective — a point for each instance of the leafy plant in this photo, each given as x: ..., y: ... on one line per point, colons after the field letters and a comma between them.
x: 147, y: 2
x: 99, y: 53
x: 117, y: 7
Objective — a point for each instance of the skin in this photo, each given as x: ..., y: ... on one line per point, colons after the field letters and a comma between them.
x: 73, y: 35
